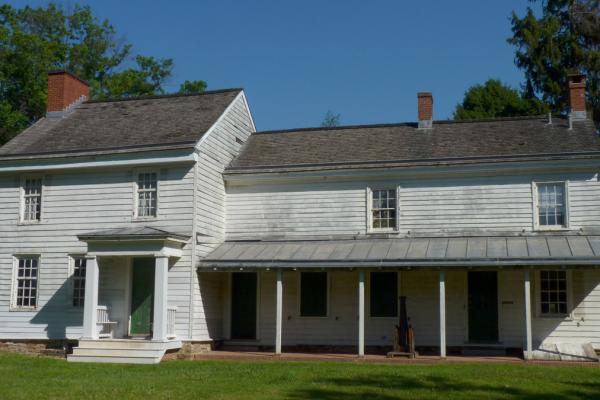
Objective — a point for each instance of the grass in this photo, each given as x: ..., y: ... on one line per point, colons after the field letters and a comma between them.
x: 26, y: 377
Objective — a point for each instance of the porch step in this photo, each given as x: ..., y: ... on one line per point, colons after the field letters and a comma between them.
x: 121, y: 351
x: 483, y: 351
x: 583, y: 352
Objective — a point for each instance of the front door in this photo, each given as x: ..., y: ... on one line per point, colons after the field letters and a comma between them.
x: 483, y: 307
x: 142, y: 297
x: 243, y: 305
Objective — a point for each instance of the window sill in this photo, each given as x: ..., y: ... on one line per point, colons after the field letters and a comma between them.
x: 552, y: 229
x: 22, y: 309
x: 555, y: 317
x: 26, y: 223
x: 382, y: 231
x: 143, y: 219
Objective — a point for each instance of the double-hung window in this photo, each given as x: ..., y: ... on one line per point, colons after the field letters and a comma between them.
x: 553, y: 293
x: 147, y: 195
x: 25, y: 282
x: 551, y: 205
x: 313, y: 294
x: 78, y: 280
x: 383, y: 209
x: 32, y: 200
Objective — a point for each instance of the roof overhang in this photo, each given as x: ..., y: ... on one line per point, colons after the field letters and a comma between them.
x: 495, y: 252
x: 153, y: 156
x: 142, y: 241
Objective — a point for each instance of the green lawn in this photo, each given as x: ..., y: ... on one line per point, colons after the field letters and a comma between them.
x: 26, y: 377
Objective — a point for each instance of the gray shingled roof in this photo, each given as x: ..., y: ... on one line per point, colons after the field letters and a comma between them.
x: 139, y: 232
x: 410, y: 252
x: 404, y: 143
x: 132, y: 124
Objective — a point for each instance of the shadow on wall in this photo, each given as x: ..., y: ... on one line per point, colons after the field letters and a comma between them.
x: 58, y: 314
x: 212, y: 289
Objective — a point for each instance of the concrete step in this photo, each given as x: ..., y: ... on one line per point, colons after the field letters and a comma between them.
x: 483, y: 351
x: 117, y: 352
x: 114, y: 360
x: 122, y: 344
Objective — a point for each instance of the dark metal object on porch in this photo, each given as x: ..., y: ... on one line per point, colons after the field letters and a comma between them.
x: 404, y: 339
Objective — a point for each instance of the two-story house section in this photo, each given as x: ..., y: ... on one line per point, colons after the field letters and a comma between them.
x: 101, y: 207
x: 488, y: 230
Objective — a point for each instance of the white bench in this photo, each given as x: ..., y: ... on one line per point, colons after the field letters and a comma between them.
x: 106, y: 326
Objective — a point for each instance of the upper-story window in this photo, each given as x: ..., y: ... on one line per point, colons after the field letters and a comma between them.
x: 383, y: 209
x: 551, y: 205
x: 147, y: 195
x: 31, y: 202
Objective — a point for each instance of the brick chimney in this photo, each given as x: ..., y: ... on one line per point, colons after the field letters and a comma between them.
x: 577, y: 97
x: 425, y: 110
x: 64, y: 91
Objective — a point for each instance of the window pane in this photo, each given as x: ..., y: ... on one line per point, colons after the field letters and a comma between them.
x: 313, y: 294
x: 553, y: 292
x: 551, y: 206
x: 26, y: 282
x: 383, y: 209
x: 384, y: 294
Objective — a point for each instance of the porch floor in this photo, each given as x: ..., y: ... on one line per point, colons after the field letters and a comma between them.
x: 373, y: 358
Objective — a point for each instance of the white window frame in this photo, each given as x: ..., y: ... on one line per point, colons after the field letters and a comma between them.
x: 15, y: 280
x: 538, y: 296
x: 72, y: 278
x: 536, y: 220
x: 22, y: 186
x: 369, y: 202
x: 327, y: 297
x: 136, y: 177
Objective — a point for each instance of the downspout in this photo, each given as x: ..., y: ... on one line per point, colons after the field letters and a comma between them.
x: 194, y: 255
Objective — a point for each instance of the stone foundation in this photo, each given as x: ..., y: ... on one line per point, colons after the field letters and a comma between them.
x: 51, y: 348
x: 188, y: 350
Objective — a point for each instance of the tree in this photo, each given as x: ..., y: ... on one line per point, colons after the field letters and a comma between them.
x: 494, y: 99
x: 330, y: 120
x: 564, y: 39
x: 34, y: 41
x: 192, y: 87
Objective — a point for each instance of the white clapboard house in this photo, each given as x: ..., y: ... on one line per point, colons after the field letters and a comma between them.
x: 135, y: 226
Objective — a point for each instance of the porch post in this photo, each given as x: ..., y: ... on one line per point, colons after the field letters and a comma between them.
x: 161, y: 272
x: 90, y: 304
x: 279, y: 312
x: 361, y: 313
x: 443, y: 314
x: 529, y: 349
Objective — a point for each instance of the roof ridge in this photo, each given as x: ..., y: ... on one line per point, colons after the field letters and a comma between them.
x: 413, y: 124
x: 162, y: 96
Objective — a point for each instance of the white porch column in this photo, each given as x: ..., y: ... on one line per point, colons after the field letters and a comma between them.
x: 90, y: 305
x: 529, y: 349
x: 443, y: 314
x: 279, y: 312
x: 161, y: 272
x: 361, y: 313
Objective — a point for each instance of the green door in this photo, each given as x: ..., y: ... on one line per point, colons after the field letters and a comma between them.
x: 142, y: 298
x: 483, y: 307
x: 243, y: 305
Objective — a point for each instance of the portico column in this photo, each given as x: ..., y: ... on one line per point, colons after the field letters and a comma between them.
x: 529, y: 348
x: 361, y: 313
x: 443, y: 314
x: 279, y: 312
x: 161, y: 272
x: 90, y: 305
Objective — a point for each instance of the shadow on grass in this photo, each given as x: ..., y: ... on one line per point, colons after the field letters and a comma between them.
x: 433, y: 386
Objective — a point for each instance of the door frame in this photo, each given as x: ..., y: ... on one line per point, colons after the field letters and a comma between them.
x: 230, y: 307
x: 129, y: 295
x: 498, y: 305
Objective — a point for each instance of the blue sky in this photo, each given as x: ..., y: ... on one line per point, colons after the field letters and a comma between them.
x: 365, y: 60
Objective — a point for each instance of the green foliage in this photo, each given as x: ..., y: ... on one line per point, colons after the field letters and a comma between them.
x: 494, y: 99
x: 564, y: 39
x: 34, y: 41
x: 192, y: 87
x: 330, y: 120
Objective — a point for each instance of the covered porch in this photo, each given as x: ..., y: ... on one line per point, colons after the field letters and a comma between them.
x: 492, y: 295
x: 126, y: 315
